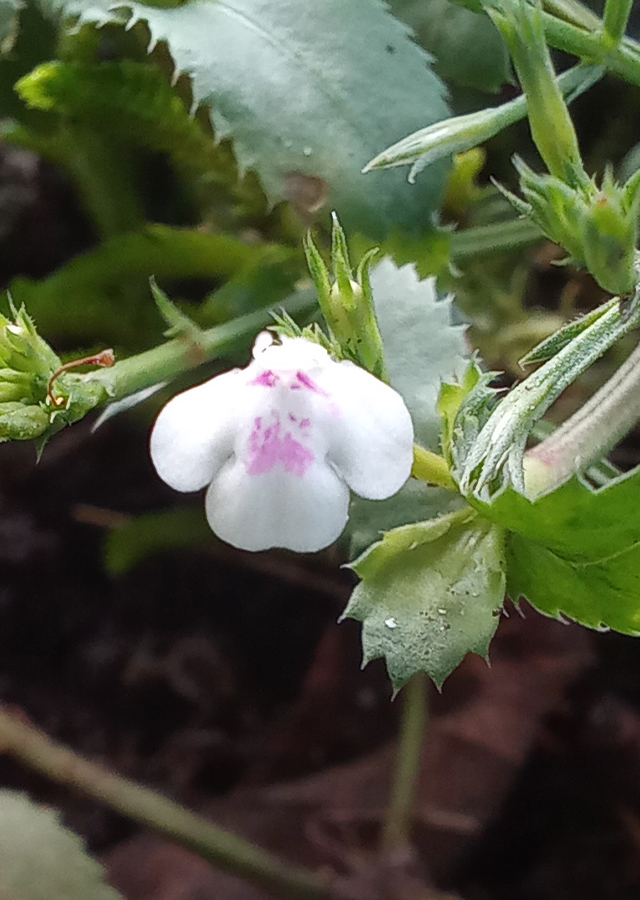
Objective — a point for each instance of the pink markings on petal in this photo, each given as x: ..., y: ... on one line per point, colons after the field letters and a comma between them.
x: 268, y: 449
x: 305, y: 423
x: 266, y: 379
x: 303, y: 381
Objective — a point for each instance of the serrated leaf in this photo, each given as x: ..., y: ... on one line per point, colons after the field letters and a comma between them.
x: 422, y: 345
x: 306, y: 91
x: 430, y: 593
x: 468, y: 49
x: 576, y: 552
x: 422, y: 348
x: 42, y: 860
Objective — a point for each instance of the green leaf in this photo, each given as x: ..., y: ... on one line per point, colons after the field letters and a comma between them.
x: 306, y: 91
x: 9, y: 10
x: 180, y: 324
x: 422, y: 348
x: 468, y: 49
x: 80, y: 298
x: 42, y: 860
x: 430, y: 593
x: 153, y: 533
x: 576, y: 552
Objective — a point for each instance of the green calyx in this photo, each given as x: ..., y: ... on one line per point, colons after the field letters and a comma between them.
x: 598, y: 226
x: 26, y: 365
x: 25, y: 359
x: 346, y: 302
x: 37, y: 397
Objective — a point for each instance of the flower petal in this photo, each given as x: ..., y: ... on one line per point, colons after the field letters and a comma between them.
x: 277, y: 508
x: 194, y: 433
x: 371, y: 441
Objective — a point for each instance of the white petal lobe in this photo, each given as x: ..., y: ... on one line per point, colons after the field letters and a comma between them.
x: 194, y: 433
x: 372, y: 439
x: 277, y: 508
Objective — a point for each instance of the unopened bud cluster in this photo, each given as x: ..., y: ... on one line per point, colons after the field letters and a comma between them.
x: 346, y: 302
x: 26, y: 365
x: 598, y: 225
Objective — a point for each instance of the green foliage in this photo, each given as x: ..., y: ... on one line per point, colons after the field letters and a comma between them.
x: 576, y: 552
x: 346, y: 303
x: 422, y: 345
x: 468, y: 50
x: 488, y: 439
x: 130, y: 102
x: 78, y: 299
x: 9, y: 10
x: 422, y: 348
x: 462, y: 133
x: 22, y: 421
x: 301, y: 100
x: 42, y: 860
x: 179, y: 323
x: 169, y: 529
x: 430, y: 593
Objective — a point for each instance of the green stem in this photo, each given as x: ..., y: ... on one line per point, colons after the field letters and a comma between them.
x: 98, y: 275
x: 574, y: 12
x: 222, y: 849
x: 623, y: 60
x: 430, y: 467
x: 396, y: 832
x: 581, y: 36
x: 501, y: 442
x: 143, y: 370
x: 105, y: 178
x: 486, y: 239
x: 589, y: 434
x: 615, y: 19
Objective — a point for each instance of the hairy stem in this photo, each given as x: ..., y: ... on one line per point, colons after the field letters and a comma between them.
x: 135, y: 373
x: 224, y: 850
x: 589, y: 434
x: 568, y: 26
x: 483, y: 240
x: 396, y: 832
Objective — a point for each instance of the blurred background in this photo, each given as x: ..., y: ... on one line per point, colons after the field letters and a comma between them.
x: 222, y: 678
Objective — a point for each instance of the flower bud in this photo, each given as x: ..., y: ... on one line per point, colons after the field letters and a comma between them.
x: 597, y: 226
x: 22, y: 422
x: 347, y: 302
x: 609, y: 235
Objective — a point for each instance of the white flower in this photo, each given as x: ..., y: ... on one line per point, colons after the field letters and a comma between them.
x: 280, y: 442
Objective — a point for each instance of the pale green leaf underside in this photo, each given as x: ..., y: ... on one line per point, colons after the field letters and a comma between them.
x: 576, y: 552
x: 9, y: 10
x: 422, y: 348
x: 316, y: 89
x: 430, y: 593
x: 42, y: 860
